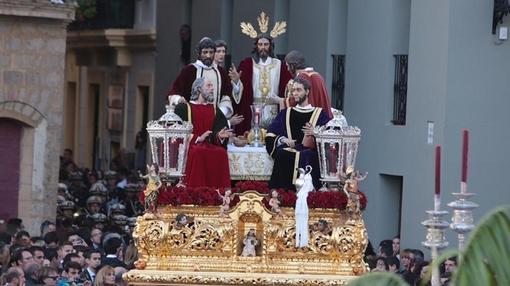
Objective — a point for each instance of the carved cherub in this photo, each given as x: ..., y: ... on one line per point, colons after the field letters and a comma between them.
x: 250, y: 243
x: 152, y: 190
x: 182, y: 220
x: 323, y: 227
x: 351, y: 181
x: 226, y: 199
x: 274, y: 202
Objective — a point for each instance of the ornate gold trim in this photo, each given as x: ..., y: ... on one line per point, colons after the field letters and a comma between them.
x: 151, y: 277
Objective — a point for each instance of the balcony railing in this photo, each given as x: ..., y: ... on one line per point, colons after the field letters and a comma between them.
x: 107, y: 14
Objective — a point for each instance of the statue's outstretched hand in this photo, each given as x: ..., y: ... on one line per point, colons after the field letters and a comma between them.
x: 233, y: 74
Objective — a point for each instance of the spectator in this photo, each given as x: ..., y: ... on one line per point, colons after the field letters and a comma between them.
x: 95, y: 238
x: 31, y: 270
x: 75, y: 239
x: 380, y: 265
x: 48, y: 276
x: 385, y: 248
x: 450, y: 264
x: 5, y: 257
x: 396, y: 246
x: 22, y: 239
x: 51, y: 239
x: 37, y: 254
x: 393, y: 264
x: 72, y: 257
x: 14, y: 277
x: 14, y: 225
x: 92, y: 262
x: 71, y: 273
x: 80, y: 251
x: 22, y: 257
x: 47, y: 226
x: 63, y: 251
x: 105, y: 276
x: 113, y: 249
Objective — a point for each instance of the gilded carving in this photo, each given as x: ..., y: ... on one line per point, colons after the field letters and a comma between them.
x: 215, y: 244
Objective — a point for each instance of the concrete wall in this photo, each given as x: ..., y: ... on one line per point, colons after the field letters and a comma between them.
x: 457, y: 79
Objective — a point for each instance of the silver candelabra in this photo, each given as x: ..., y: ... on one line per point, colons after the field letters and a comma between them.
x: 462, y: 219
x: 435, y: 239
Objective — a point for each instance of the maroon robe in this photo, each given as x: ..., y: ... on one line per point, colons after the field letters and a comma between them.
x: 184, y: 81
x: 243, y: 108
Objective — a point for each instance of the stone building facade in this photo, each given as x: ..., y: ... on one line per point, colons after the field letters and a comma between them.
x: 32, y: 57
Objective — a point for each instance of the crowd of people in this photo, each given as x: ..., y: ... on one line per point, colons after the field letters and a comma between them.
x: 90, y: 241
x: 407, y: 263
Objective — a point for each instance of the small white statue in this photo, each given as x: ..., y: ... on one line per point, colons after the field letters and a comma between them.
x: 304, y: 185
x: 250, y: 243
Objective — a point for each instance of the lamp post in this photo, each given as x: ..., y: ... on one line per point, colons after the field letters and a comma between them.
x: 169, y: 141
x: 337, y: 145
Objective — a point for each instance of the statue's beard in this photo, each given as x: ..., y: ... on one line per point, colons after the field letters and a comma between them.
x: 209, y: 96
x: 300, y: 100
x: 263, y: 54
x: 207, y: 62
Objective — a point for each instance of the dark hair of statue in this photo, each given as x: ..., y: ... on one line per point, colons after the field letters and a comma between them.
x: 205, y: 43
x: 301, y: 80
x: 296, y: 59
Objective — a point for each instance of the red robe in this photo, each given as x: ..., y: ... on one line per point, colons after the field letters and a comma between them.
x: 243, y: 108
x: 318, y: 96
x: 207, y: 163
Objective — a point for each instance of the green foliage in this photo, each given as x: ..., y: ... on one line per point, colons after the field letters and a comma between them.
x: 486, y: 259
x: 378, y: 279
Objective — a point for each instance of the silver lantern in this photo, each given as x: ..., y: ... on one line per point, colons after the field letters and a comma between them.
x: 337, y: 145
x: 169, y: 140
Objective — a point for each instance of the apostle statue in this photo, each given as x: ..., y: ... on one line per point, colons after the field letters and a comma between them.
x: 204, y: 67
x: 290, y: 141
x: 207, y: 163
x: 262, y: 77
x: 318, y: 96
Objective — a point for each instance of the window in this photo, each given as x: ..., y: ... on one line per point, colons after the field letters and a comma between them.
x: 338, y: 82
x: 400, y: 90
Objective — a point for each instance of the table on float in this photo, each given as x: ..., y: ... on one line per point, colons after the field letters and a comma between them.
x: 249, y: 163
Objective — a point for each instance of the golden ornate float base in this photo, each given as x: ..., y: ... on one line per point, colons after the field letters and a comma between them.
x: 249, y: 245
x: 157, y: 277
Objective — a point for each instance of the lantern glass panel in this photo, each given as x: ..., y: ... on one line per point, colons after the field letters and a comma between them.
x: 159, y: 152
x: 331, y: 152
x: 173, y: 150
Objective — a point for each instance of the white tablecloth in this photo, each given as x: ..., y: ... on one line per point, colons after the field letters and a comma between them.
x: 249, y: 163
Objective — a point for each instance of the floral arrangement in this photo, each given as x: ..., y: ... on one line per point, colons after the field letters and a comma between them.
x: 205, y: 196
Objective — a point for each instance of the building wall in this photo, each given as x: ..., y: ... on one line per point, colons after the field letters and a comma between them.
x: 457, y: 79
x: 32, y: 53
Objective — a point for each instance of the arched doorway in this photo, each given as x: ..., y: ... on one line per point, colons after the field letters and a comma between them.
x: 10, y: 159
